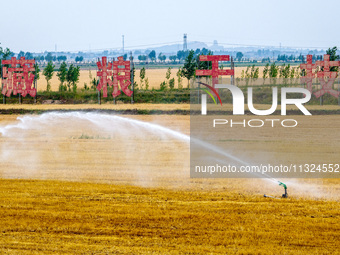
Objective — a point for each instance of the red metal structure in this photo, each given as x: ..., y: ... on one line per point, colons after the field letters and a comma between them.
x: 308, y: 78
x: 18, y: 77
x: 326, y: 77
x: 121, y: 73
x: 327, y: 86
x: 105, y: 73
x: 215, y: 72
x: 111, y: 73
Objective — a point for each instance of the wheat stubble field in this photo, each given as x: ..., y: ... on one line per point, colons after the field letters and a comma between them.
x: 155, y: 77
x: 77, y: 187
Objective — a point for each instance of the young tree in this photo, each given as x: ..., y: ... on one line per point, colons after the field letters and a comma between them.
x: 62, y: 73
x: 28, y: 55
x: 79, y: 59
x: 146, y: 83
x: 61, y: 58
x: 205, y: 51
x: 172, y: 83
x: 39, y: 58
x: 163, y: 86
x: 285, y: 72
x: 48, y: 73
x: 94, y: 83
x: 173, y: 58
x: 189, y: 67
x: 273, y: 71
x: 239, y: 56
x: 281, y: 70
x: 75, y: 78
x: 179, y: 78
x: 132, y: 76
x: 49, y: 57
x: 72, y: 77
x: 4, y: 54
x: 152, y: 55
x: 180, y: 55
x: 242, y: 75
x: 256, y: 72
x: 69, y: 76
x: 333, y: 57
x: 168, y: 74
x: 161, y: 57
x: 247, y: 75
x: 292, y: 75
x: 142, y: 76
x: 21, y: 54
x: 298, y: 72
x: 265, y: 72
x: 142, y: 58
x: 36, y: 71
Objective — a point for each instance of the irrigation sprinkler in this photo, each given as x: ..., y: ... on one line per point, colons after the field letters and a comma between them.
x: 285, y: 195
x: 270, y: 196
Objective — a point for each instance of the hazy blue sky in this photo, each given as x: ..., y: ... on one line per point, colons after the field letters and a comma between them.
x: 38, y: 25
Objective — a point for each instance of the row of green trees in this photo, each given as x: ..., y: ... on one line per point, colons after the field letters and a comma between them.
x: 4, y: 54
x: 181, y: 55
x: 169, y: 82
x: 49, y: 57
x: 273, y: 71
x: 68, y: 76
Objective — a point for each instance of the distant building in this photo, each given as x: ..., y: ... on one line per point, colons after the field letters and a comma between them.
x: 216, y: 47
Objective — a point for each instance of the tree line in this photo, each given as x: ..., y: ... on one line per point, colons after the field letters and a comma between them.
x: 68, y: 76
x: 180, y: 56
x: 273, y: 71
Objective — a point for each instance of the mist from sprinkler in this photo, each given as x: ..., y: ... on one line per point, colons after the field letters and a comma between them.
x: 45, y: 120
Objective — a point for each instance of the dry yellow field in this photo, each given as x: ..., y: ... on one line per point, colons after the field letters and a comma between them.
x: 106, y: 106
x: 161, y: 107
x: 53, y: 143
x: 155, y: 76
x: 101, y: 184
x: 53, y: 217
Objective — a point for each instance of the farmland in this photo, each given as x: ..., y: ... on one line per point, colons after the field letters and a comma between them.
x: 80, y: 189
x: 67, y: 217
x: 115, y: 178
x: 150, y: 127
x: 155, y: 76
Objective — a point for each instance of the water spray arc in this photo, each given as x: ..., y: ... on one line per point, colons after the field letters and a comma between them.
x: 46, y: 120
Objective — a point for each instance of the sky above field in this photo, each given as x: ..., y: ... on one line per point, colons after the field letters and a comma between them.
x: 40, y: 25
